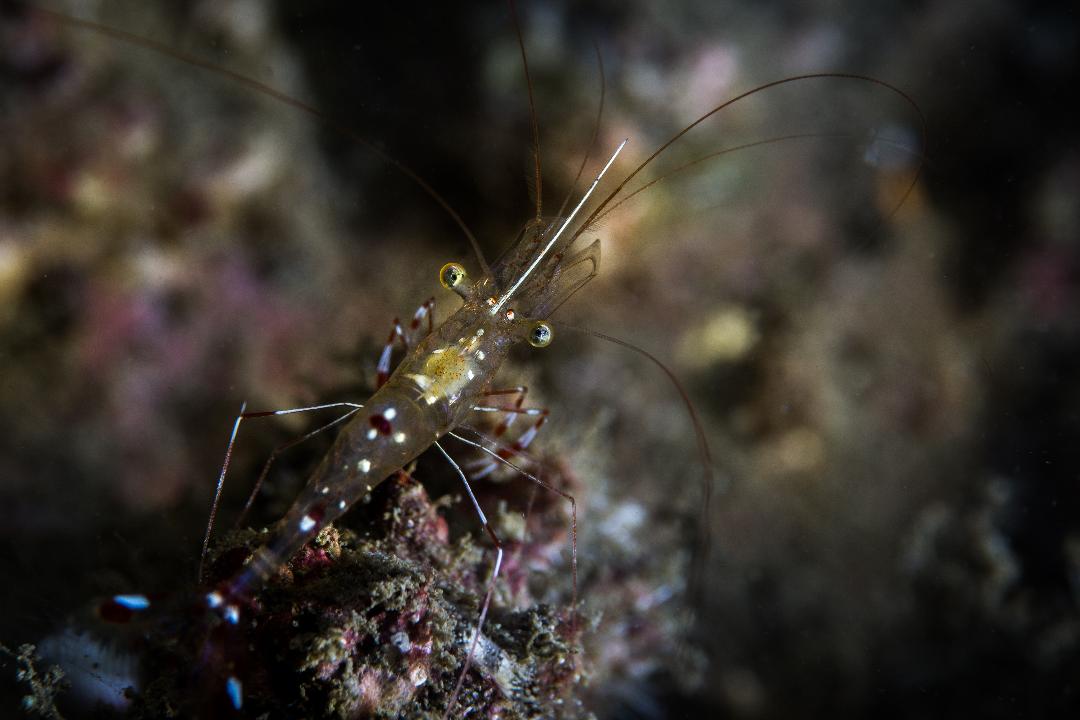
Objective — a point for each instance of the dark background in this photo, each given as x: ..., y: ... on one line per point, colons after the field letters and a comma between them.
x: 895, y: 532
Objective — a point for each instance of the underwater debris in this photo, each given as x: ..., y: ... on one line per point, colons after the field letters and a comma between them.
x: 44, y: 686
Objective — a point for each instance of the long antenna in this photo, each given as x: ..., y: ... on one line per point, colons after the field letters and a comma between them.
x: 753, y: 91
x: 562, y: 228
x: 539, y: 175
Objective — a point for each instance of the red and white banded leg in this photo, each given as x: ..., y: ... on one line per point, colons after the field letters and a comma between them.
x: 406, y: 338
x: 485, y: 466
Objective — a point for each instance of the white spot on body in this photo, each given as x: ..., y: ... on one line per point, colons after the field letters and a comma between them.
x: 390, y: 413
x: 399, y: 437
x: 307, y: 523
x: 235, y: 691
x: 325, y: 490
x: 232, y: 614
x: 342, y: 504
x: 214, y: 599
x: 364, y: 465
x: 480, y: 355
x: 132, y: 602
x: 372, y: 433
x: 422, y: 381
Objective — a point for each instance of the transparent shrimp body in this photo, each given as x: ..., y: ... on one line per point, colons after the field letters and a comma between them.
x: 435, y: 386
x: 431, y: 391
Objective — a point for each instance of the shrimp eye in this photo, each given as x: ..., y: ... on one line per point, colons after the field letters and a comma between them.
x: 540, y: 334
x: 452, y: 275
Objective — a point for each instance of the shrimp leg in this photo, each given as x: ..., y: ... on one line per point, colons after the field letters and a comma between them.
x: 486, y: 467
x: 407, y: 339
x: 519, y: 392
x: 497, y: 455
x: 282, y: 448
x: 491, y: 583
x: 228, y: 459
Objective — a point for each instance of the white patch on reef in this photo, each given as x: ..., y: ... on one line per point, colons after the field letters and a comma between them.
x: 99, y: 673
x: 623, y: 524
x: 401, y: 641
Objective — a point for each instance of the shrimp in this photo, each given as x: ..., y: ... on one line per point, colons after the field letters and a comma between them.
x: 444, y: 377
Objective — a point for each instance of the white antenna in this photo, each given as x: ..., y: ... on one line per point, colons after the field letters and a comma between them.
x: 555, y: 237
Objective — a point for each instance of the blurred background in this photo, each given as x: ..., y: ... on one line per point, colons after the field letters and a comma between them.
x: 883, y: 363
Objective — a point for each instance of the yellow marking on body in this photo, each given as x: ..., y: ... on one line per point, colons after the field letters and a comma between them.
x: 445, y: 375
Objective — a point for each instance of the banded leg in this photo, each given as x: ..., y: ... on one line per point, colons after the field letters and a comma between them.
x: 353, y: 407
x: 490, y: 588
x: 426, y: 310
x: 519, y: 394
x: 485, y: 467
x: 406, y: 338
